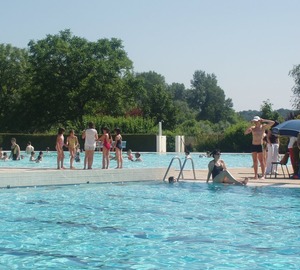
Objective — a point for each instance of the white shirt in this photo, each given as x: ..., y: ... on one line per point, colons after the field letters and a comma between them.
x: 91, y: 135
x: 292, y: 141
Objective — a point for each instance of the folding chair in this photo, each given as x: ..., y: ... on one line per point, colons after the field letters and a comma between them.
x: 283, y: 162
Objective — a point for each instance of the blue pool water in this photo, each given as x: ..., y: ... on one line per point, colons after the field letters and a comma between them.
x: 150, y: 226
x: 150, y: 160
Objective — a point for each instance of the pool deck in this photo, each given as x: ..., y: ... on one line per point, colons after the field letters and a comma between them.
x: 10, y: 178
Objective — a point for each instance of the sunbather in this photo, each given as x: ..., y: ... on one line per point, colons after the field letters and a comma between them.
x: 217, y: 169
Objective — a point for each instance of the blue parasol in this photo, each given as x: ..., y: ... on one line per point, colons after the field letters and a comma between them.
x: 287, y: 128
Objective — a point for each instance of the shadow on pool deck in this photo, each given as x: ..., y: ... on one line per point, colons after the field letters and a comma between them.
x: 45, y: 177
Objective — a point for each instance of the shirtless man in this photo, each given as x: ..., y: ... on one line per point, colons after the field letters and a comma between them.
x: 258, y: 130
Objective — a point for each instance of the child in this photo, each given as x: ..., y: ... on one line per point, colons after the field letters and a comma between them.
x: 4, y: 156
x: 118, y: 148
x: 106, y: 142
x: 40, y: 157
x: 187, y: 154
x: 72, y: 143
x: 138, y: 156
x: 77, y: 156
x: 32, y: 158
x: 59, y: 148
x: 129, y: 155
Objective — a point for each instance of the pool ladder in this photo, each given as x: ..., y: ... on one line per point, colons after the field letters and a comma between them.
x: 181, y: 167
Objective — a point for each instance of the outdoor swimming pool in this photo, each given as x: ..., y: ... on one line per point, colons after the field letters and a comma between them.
x: 150, y: 160
x: 150, y: 226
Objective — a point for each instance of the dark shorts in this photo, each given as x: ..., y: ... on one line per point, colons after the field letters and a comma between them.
x: 256, y: 148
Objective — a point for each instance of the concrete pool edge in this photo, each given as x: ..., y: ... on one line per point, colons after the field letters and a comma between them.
x: 11, y: 178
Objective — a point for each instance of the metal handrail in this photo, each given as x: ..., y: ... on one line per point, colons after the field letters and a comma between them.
x: 182, y: 167
x: 170, y: 166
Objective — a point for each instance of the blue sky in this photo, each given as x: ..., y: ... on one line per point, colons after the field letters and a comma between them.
x: 249, y: 45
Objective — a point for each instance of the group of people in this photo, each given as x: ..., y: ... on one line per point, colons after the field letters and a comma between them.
x: 265, y: 145
x: 264, y: 150
x: 15, y: 153
x: 130, y: 156
x: 90, y: 137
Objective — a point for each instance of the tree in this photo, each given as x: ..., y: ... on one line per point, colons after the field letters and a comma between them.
x: 156, y: 101
x: 295, y: 73
x: 267, y: 111
x: 14, y: 81
x: 209, y: 99
x: 177, y: 91
x: 197, y: 95
x: 73, y: 77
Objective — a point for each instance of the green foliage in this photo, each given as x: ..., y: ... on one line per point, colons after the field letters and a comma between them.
x: 295, y: 73
x: 128, y: 125
x: 189, y: 127
x: 283, y: 114
x: 72, y: 77
x: 208, y: 99
x: 13, y: 83
x: 177, y: 91
x: 65, y: 80
x: 234, y: 139
x: 156, y: 100
x: 267, y: 111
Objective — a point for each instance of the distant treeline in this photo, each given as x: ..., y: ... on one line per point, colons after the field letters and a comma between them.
x: 65, y: 80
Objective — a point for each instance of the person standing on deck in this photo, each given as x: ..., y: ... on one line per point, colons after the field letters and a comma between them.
x: 90, y: 135
x: 60, y: 143
x: 273, y: 149
x: 72, y: 143
x: 106, y: 140
x: 118, y: 148
x: 258, y: 129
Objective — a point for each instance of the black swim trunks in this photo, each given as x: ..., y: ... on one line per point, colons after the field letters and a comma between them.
x: 256, y: 148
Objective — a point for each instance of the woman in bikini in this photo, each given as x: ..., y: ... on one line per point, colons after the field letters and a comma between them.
x: 72, y: 143
x: 106, y: 145
x: 217, y: 169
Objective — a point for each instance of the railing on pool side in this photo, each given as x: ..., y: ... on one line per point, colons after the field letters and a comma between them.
x: 181, y: 167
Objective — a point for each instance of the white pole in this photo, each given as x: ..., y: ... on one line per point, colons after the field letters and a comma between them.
x: 159, y: 129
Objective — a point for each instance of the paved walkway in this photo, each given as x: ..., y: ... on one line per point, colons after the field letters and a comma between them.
x: 43, y: 177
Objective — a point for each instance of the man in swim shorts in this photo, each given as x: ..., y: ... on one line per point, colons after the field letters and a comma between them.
x: 258, y: 129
